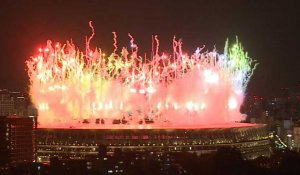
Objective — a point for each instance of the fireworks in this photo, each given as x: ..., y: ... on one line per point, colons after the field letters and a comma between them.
x: 123, y: 90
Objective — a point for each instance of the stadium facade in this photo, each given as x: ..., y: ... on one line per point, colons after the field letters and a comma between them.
x: 251, y: 140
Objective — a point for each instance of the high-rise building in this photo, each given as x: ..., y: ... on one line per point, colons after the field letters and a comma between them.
x: 13, y: 103
x: 17, y: 139
x: 20, y: 101
x: 6, y: 103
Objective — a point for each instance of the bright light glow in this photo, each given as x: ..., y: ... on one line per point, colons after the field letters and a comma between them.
x: 232, y: 103
x: 175, y: 106
x: 203, y: 105
x: 211, y: 77
x: 189, y: 105
x: 142, y: 91
x: 132, y: 90
x: 159, y: 105
x: 150, y: 90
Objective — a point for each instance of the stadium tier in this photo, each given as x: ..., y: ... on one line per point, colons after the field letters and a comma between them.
x: 251, y: 139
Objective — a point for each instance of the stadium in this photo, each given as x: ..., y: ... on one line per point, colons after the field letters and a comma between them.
x: 168, y: 102
x: 251, y: 139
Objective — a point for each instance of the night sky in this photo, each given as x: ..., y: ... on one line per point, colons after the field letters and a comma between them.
x: 268, y: 30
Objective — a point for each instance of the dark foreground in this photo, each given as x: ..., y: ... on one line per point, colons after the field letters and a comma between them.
x: 224, y: 161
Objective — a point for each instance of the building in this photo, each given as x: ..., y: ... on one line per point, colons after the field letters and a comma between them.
x: 17, y: 139
x: 251, y: 140
x: 296, y: 134
x: 20, y: 103
x: 6, y: 103
x: 13, y: 103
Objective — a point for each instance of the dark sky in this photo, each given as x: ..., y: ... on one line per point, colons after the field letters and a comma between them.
x: 269, y: 31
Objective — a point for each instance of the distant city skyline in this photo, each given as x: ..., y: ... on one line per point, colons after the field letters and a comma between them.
x: 268, y: 31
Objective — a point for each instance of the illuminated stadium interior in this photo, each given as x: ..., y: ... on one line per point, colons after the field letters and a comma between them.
x: 252, y: 140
